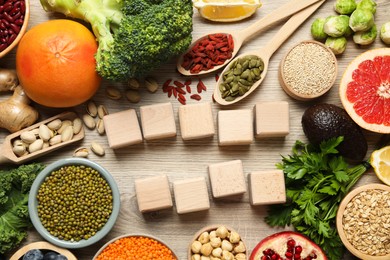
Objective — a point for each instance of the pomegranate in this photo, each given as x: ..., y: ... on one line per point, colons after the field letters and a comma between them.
x: 287, y: 245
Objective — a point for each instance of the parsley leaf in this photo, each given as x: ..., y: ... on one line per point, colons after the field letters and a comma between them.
x: 317, y: 178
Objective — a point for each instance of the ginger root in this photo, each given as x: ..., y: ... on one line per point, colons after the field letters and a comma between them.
x: 8, y: 80
x: 15, y: 112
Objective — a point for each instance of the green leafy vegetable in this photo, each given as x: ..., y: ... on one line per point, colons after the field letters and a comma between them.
x: 134, y: 37
x: 317, y: 179
x: 14, y: 190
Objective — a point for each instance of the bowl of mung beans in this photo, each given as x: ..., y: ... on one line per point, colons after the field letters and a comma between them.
x: 74, y: 202
x: 135, y: 246
x: 363, y: 221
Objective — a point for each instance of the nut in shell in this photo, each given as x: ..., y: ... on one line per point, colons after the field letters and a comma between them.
x: 44, y: 132
x: 92, y: 109
x: 102, y: 111
x: 133, y: 96
x: 77, y: 125
x: 37, y: 145
x: 100, y: 126
x: 113, y: 93
x: 28, y: 137
x: 81, y: 152
x: 55, y: 140
x: 19, y: 150
x: 133, y: 84
x: 64, y: 124
x: 151, y: 84
x: 55, y: 124
x: 67, y: 135
x: 89, y: 121
x: 97, y: 149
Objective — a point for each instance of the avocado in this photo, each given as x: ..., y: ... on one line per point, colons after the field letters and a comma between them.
x: 324, y: 121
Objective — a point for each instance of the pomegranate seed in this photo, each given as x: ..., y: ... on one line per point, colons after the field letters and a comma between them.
x: 290, y: 243
x: 298, y: 249
x: 289, y: 255
x: 264, y: 257
x: 297, y: 257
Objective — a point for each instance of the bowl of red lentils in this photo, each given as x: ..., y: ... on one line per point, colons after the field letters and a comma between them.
x: 135, y: 246
x: 15, y: 15
x: 74, y: 203
x: 363, y: 222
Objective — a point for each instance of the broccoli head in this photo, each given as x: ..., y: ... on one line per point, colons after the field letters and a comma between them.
x: 134, y: 36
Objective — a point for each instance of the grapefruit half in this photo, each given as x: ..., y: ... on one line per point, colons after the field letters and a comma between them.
x: 365, y: 90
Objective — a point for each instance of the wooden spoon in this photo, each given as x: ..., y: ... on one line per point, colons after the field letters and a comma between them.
x: 240, y: 37
x: 7, y: 155
x: 268, y: 50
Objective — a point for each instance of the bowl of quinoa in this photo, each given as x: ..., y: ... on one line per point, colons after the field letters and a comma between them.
x: 363, y: 221
x: 135, y: 246
x: 74, y: 202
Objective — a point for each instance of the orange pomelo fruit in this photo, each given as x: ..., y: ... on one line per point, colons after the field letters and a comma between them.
x: 365, y: 90
x: 55, y: 63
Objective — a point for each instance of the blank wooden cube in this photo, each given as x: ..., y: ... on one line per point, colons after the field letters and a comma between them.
x: 191, y: 195
x: 196, y: 121
x: 267, y: 187
x: 235, y: 127
x: 157, y: 121
x: 122, y: 129
x: 227, y: 178
x: 153, y: 193
x: 272, y: 119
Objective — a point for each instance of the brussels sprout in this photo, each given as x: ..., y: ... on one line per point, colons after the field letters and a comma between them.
x: 336, y: 26
x: 366, y: 37
x: 337, y: 45
x: 345, y: 6
x: 368, y: 5
x: 385, y: 33
x: 361, y: 20
x: 317, y: 29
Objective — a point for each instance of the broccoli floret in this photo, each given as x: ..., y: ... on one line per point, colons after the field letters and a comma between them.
x: 134, y: 36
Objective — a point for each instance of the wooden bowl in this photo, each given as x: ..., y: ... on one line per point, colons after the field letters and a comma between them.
x: 21, y: 32
x: 133, y: 235
x: 339, y: 221
x: 42, y: 246
x: 303, y: 95
x: 209, y: 229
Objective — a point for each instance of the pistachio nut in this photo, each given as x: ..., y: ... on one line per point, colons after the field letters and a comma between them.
x: 55, y: 140
x: 133, y: 96
x: 28, y: 137
x: 64, y: 124
x: 45, y: 145
x: 35, y: 146
x: 55, y: 124
x: 81, y: 152
x: 100, y: 126
x: 97, y: 149
x: 89, y: 121
x: 151, y: 84
x: 35, y: 131
x: 102, y: 111
x: 19, y: 150
x: 44, y: 132
x: 113, y: 93
x: 67, y: 134
x: 77, y: 125
x: 92, y: 109
x: 133, y: 84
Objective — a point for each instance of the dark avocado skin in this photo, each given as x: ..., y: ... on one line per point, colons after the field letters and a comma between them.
x: 323, y: 121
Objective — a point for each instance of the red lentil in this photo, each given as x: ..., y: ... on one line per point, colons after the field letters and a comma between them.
x: 136, y: 248
x: 213, y: 50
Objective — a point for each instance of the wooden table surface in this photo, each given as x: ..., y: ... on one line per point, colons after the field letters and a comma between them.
x: 182, y: 160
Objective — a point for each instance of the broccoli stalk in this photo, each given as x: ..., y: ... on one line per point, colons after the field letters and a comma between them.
x: 134, y: 36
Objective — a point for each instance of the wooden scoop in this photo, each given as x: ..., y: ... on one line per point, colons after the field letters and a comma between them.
x: 7, y: 155
x: 267, y: 51
x: 240, y: 37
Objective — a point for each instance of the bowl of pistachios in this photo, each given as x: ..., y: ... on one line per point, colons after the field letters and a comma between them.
x: 74, y: 202
x: 218, y: 241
